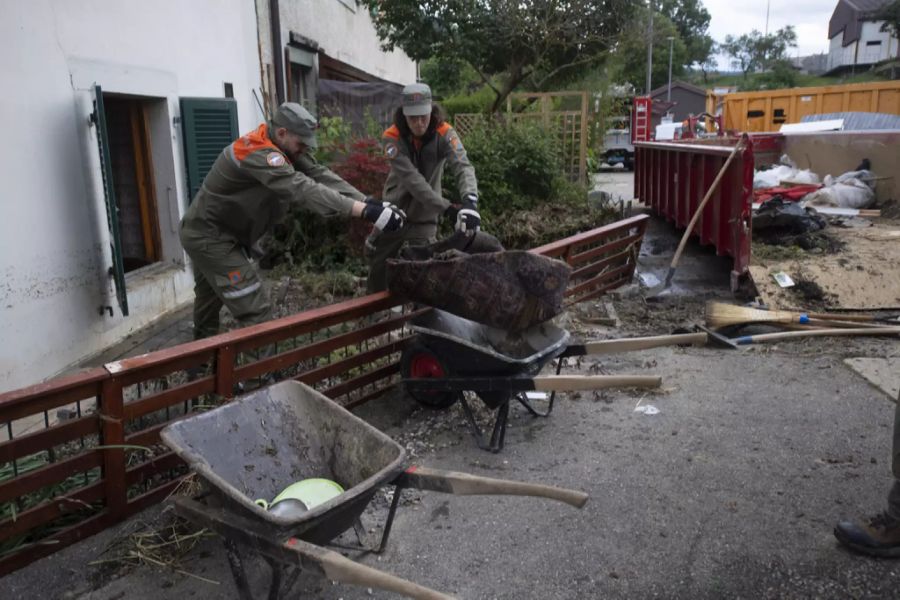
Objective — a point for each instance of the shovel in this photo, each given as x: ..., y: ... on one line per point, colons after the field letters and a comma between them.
x: 658, y: 290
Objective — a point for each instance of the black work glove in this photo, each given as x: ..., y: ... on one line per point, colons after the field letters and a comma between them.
x: 384, y: 216
x: 468, y: 218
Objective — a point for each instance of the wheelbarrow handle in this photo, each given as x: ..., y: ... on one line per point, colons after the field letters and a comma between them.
x: 339, y: 568
x: 325, y: 562
x: 570, y: 383
x: 638, y: 343
x: 465, y: 484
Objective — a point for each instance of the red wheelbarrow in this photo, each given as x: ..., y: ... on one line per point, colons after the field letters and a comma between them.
x: 257, y: 445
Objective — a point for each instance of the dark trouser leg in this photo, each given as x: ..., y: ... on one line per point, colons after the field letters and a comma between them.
x: 894, y: 494
x: 207, y: 306
x: 387, y: 245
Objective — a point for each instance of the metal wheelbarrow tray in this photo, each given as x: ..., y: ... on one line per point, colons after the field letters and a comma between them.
x: 451, y: 355
x: 257, y: 445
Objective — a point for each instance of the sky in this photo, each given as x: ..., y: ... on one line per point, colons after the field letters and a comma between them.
x: 809, y: 18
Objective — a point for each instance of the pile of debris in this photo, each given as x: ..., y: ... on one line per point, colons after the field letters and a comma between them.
x: 851, y: 190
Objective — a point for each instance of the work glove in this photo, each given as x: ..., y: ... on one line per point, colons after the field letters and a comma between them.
x: 384, y: 216
x: 468, y: 218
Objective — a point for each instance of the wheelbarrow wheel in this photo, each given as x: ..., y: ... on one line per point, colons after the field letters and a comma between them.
x: 419, y: 362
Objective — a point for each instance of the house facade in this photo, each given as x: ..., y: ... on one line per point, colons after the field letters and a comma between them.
x: 856, y: 41
x: 96, y: 180
x: 117, y: 109
x: 313, y: 40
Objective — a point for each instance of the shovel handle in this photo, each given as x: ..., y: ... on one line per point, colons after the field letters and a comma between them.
x: 570, y: 383
x: 339, y: 568
x: 465, y: 484
x: 642, y: 343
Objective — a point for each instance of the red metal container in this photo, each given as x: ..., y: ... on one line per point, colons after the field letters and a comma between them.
x: 673, y: 177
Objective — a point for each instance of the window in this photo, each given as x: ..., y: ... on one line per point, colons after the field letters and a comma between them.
x: 301, y: 82
x: 874, y: 43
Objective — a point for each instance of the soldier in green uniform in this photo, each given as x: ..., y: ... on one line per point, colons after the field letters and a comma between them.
x: 417, y: 146
x: 246, y: 192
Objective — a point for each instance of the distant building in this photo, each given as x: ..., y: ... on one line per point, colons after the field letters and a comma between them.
x: 856, y: 40
x: 686, y: 100
x: 814, y: 64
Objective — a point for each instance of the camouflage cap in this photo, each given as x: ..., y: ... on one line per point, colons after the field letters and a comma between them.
x: 297, y: 120
x: 416, y: 100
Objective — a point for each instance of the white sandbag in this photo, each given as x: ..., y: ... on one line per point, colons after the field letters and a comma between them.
x: 867, y: 177
x: 774, y: 176
x: 852, y: 193
x: 771, y: 177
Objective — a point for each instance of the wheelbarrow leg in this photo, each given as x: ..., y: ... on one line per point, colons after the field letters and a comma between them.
x: 499, y: 429
x: 237, y: 570
x: 523, y: 397
x: 277, y: 573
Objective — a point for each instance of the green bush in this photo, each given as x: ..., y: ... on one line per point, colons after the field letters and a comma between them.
x: 524, y: 198
x: 478, y: 102
x: 516, y: 166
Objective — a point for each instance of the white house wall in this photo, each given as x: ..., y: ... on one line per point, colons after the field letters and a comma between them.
x: 54, y: 244
x: 871, y: 32
x: 839, y: 55
x: 345, y: 31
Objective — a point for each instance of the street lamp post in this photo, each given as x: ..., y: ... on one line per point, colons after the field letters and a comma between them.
x: 669, y: 91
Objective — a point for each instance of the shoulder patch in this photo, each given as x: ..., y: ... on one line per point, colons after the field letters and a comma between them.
x: 275, y: 159
x: 390, y: 150
x: 392, y: 132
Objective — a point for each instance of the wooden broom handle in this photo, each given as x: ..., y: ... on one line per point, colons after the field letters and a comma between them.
x: 709, y: 194
x: 786, y: 335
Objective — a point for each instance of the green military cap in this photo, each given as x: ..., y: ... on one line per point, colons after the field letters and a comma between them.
x: 298, y: 120
x: 416, y: 100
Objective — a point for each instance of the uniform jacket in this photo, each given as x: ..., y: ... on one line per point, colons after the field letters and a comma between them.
x: 414, y: 182
x: 252, y: 184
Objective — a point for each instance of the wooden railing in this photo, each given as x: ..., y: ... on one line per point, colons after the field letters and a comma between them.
x: 82, y: 452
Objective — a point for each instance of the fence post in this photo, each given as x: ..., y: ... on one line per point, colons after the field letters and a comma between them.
x: 582, y: 156
x: 112, y: 432
x: 225, y: 371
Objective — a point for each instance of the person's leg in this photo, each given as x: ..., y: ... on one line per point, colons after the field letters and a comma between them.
x: 378, y: 250
x: 207, y: 306
x: 879, y: 535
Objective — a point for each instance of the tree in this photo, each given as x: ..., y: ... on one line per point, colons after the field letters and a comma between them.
x: 890, y: 14
x: 529, y: 42
x: 630, y: 59
x: 710, y: 64
x: 691, y: 19
x: 754, y: 51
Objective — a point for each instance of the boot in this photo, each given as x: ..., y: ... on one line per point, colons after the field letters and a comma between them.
x: 876, y: 536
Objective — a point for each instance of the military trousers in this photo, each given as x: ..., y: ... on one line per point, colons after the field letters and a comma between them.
x: 894, y: 495
x: 224, y: 275
x: 381, y: 245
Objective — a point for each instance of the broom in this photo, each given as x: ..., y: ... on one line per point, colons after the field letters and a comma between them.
x: 719, y: 315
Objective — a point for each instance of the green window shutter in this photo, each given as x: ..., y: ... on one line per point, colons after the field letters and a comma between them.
x: 209, y: 125
x: 117, y: 271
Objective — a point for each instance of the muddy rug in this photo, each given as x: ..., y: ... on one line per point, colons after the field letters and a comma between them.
x: 510, y: 290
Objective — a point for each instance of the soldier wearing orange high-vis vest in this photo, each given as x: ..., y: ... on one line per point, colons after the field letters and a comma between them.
x: 417, y: 146
x: 247, y: 191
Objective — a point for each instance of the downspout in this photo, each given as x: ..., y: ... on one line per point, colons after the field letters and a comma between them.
x: 277, y: 50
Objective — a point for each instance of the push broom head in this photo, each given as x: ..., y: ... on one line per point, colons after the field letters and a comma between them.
x: 719, y: 314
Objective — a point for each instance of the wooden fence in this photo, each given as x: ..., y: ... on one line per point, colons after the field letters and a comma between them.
x: 63, y: 480
x: 571, y: 125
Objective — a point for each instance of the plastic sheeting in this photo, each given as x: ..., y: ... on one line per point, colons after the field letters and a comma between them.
x: 359, y: 104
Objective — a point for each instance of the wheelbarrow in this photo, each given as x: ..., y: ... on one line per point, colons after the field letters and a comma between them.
x: 257, y: 445
x: 451, y: 355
